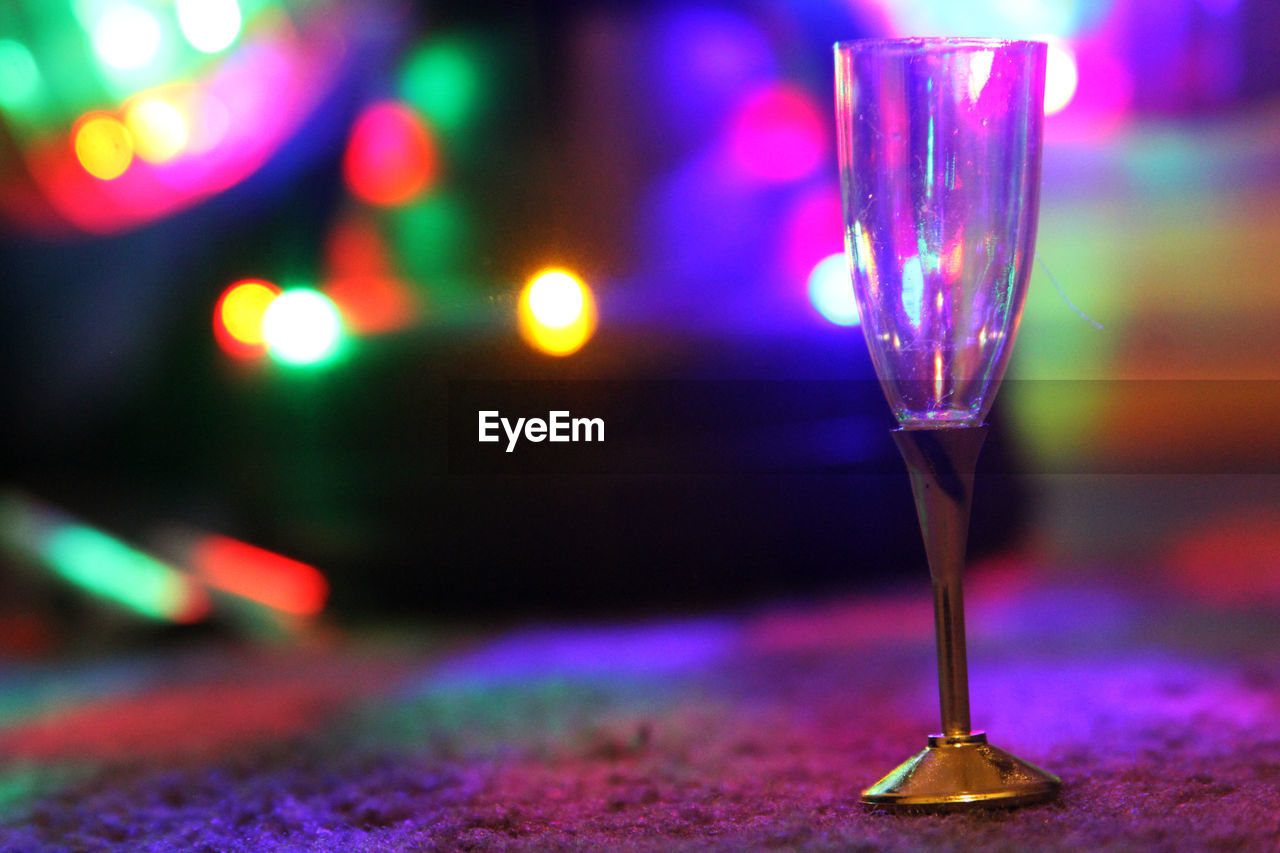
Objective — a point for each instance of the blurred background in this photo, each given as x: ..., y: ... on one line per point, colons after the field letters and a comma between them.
x: 251, y: 249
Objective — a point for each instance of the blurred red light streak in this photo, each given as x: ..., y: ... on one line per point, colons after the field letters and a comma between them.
x: 258, y: 574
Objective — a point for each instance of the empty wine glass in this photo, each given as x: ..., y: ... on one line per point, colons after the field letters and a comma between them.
x: 939, y: 142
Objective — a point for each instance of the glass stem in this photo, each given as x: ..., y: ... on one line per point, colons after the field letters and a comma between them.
x: 941, y: 461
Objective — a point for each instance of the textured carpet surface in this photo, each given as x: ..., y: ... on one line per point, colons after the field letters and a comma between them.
x: 745, y: 731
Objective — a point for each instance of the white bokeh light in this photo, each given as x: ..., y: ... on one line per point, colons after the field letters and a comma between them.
x: 126, y: 36
x: 556, y: 299
x: 301, y: 327
x: 209, y: 25
x: 1060, y: 77
x: 831, y: 290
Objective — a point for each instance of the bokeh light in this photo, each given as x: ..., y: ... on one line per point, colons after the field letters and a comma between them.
x: 361, y: 279
x: 441, y: 79
x: 209, y: 25
x: 557, y: 312
x: 1061, y: 77
x: 103, y: 145
x: 302, y: 327
x: 812, y: 230
x: 126, y: 36
x: 97, y: 562
x: 778, y: 135
x: 159, y: 129
x: 19, y: 75
x: 258, y: 574
x: 391, y: 156
x: 110, y: 568
x: 556, y: 299
x: 831, y: 290
x: 238, y: 317
x: 208, y: 121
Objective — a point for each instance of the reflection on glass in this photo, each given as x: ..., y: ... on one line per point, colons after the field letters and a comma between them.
x: 940, y: 150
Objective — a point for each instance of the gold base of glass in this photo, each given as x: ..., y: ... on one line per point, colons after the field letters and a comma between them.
x: 961, y: 772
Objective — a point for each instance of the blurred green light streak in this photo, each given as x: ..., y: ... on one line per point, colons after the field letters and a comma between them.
x: 97, y: 562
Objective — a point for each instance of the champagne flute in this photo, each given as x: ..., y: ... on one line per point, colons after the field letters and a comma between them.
x: 939, y: 144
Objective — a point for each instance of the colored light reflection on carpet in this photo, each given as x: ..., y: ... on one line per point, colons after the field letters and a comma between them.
x: 555, y: 654
x: 258, y: 574
x: 746, y: 732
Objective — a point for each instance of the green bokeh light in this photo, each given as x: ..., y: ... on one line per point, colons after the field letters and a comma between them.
x: 19, y: 76
x: 441, y: 79
x: 432, y: 240
x: 110, y: 568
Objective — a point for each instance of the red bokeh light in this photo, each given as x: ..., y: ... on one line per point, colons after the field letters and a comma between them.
x: 361, y: 279
x: 260, y: 575
x: 391, y: 156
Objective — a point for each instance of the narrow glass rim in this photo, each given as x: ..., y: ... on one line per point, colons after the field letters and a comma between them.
x: 935, y: 44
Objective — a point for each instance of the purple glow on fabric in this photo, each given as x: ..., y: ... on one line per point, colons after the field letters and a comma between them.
x: 541, y: 654
x: 1023, y: 699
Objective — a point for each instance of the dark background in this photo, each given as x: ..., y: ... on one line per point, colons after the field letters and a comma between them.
x: 123, y: 410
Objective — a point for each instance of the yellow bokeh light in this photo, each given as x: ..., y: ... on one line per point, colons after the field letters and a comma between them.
x: 103, y: 146
x: 243, y: 308
x: 159, y: 129
x: 557, y: 313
